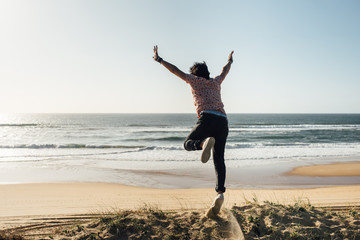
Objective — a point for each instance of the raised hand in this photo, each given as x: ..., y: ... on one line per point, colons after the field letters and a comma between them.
x: 156, y: 55
x: 230, y: 57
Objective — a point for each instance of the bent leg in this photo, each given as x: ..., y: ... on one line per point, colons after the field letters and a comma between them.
x: 195, y: 137
x: 199, y: 132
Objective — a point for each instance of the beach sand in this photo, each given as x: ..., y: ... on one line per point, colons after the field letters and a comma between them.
x: 350, y: 169
x: 22, y: 204
x: 81, y: 198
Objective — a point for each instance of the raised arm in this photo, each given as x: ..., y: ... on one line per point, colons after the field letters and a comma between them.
x: 226, y: 68
x: 172, y: 68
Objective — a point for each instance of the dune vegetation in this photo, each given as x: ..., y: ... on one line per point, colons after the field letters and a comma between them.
x: 253, y: 220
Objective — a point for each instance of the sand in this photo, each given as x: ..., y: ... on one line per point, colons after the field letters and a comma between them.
x: 350, y: 169
x: 41, y: 210
x: 80, y: 198
x: 24, y: 204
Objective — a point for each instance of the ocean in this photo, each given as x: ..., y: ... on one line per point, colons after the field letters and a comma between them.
x: 114, y: 147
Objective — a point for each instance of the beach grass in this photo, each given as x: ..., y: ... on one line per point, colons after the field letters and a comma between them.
x: 265, y: 220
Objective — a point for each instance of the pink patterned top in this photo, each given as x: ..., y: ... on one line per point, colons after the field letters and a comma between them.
x: 206, y: 93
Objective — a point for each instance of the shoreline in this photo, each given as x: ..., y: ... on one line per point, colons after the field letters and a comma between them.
x: 277, y: 175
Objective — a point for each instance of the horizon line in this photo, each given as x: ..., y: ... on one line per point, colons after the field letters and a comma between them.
x: 4, y: 113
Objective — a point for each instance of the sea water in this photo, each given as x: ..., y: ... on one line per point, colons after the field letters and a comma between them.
x: 111, y: 147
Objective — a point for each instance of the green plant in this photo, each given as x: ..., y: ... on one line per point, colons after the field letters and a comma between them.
x: 255, y: 199
x: 353, y: 213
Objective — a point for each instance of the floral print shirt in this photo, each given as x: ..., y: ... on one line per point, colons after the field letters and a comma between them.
x: 206, y: 93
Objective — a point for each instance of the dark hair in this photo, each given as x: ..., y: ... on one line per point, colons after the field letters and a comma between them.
x: 200, y: 70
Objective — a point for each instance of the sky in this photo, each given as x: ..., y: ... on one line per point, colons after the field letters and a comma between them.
x: 85, y: 56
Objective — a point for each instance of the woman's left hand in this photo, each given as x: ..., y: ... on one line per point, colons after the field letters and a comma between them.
x: 156, y: 55
x: 230, y: 57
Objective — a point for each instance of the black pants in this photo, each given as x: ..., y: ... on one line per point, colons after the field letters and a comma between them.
x: 211, y: 125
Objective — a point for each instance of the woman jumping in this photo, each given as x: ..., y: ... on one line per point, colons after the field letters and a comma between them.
x: 211, y: 130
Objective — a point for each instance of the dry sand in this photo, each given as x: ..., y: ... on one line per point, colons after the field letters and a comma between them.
x: 328, y: 170
x: 80, y: 198
x: 41, y: 210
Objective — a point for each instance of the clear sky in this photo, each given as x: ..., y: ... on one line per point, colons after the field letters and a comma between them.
x: 96, y: 56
